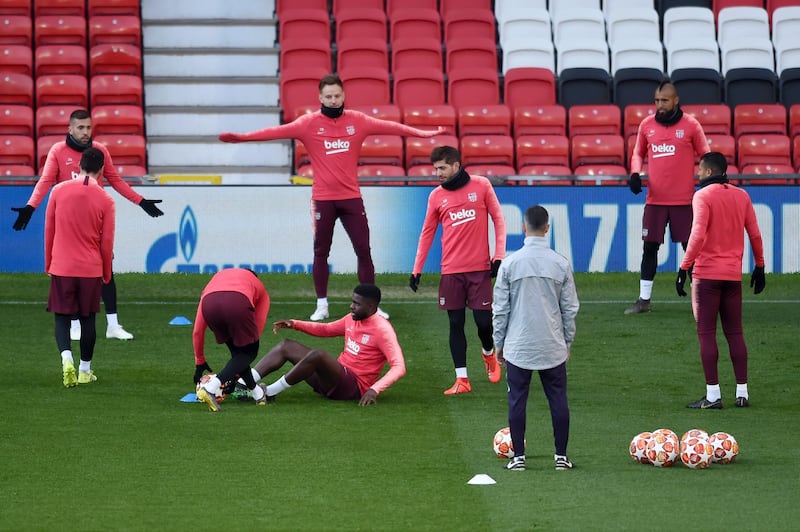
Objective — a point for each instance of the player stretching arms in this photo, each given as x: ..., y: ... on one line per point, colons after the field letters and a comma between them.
x: 333, y: 137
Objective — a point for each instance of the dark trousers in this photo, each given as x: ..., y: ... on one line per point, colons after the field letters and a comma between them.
x: 554, y: 383
x: 723, y: 299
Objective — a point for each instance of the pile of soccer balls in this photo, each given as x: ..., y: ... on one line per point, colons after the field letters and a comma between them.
x: 696, y: 448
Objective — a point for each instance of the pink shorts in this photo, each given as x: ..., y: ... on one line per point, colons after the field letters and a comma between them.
x: 346, y: 390
x: 656, y: 218
x: 468, y: 289
x: 231, y: 316
x: 74, y: 296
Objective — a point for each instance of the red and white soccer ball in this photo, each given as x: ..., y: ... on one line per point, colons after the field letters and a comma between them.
x: 502, y: 445
x: 663, y: 448
x: 204, y: 379
x: 696, y: 452
x: 638, y: 447
x: 696, y: 433
x: 724, y: 447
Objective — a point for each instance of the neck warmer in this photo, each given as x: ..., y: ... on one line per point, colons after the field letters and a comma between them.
x: 332, y: 112
x: 460, y: 179
x: 672, y: 118
x: 77, y: 146
x: 710, y: 180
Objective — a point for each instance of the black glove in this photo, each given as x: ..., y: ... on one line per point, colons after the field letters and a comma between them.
x: 495, y: 267
x: 23, y: 217
x: 149, y: 206
x: 413, y: 281
x: 680, y: 282
x: 635, y: 183
x: 758, y: 280
x: 198, y: 371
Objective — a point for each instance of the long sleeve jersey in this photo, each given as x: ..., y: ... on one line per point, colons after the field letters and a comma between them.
x: 334, y: 145
x: 230, y: 280
x: 721, y: 212
x: 464, y: 215
x: 368, y: 345
x: 535, y: 306
x: 670, y: 152
x: 79, y: 230
x: 63, y: 163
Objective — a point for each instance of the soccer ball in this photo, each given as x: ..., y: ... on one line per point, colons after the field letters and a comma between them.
x: 638, y: 447
x: 724, y: 447
x: 663, y: 447
x: 696, y: 452
x: 204, y: 379
x: 695, y: 433
x: 502, y: 445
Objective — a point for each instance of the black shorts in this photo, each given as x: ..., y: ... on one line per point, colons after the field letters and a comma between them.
x: 75, y: 296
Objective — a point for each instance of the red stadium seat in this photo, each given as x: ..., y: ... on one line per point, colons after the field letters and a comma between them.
x: 411, y: 5
x: 430, y: 116
x: 115, y: 29
x: 382, y: 149
x: 477, y: 52
x: 125, y: 149
x: 418, y: 149
x: 108, y: 89
x: 594, y: 120
x: 415, y: 24
x: 529, y: 86
x: 16, y: 58
x: 62, y: 89
x: 60, y: 59
x: 448, y: 6
x: 306, y: 171
x: 43, y: 145
x: 384, y: 112
x: 540, y: 120
x: 763, y: 149
x: 16, y: 89
x: 759, y: 118
x: 538, y: 150
x: 491, y: 170
x: 305, y: 52
x: 53, y: 119
x: 796, y: 152
x: 722, y: 4
x: 361, y: 53
x: 301, y: 157
x: 630, y: 144
x: 284, y: 6
x: 113, y: 7
x: 299, y: 88
x: 115, y: 59
x: 715, y: 118
x: 340, y: 6
x: 361, y: 23
x: 117, y: 120
x: 794, y: 120
x: 130, y: 170
x: 16, y: 7
x: 423, y: 170
x: 16, y: 120
x: 473, y: 87
x: 544, y: 174
x: 416, y: 52
x: 468, y: 24
x: 300, y: 23
x: 418, y: 86
x: 597, y: 149
x: 366, y: 86
x: 380, y: 172
x: 770, y: 169
x: 16, y: 170
x: 59, y: 30
x: 59, y: 7
x: 615, y: 171
x: 725, y: 144
x: 16, y: 149
x: 634, y: 114
x: 487, y: 149
x: 484, y: 120
x: 16, y: 29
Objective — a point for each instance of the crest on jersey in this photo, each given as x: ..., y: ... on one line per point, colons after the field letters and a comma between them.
x: 364, y: 338
x: 69, y: 161
x: 472, y: 196
x: 321, y: 131
x: 678, y: 133
x: 441, y: 301
x: 351, y: 130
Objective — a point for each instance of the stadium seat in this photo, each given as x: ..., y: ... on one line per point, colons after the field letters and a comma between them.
x: 473, y: 87
x: 487, y: 149
x: 612, y: 7
x: 361, y: 23
x: 20, y: 8
x: 543, y: 174
x: 664, y: 6
x: 540, y: 120
x: 747, y: 53
x: 284, y: 6
x: 59, y: 30
x: 16, y: 150
x: 725, y: 144
x: 420, y: 172
x: 633, y: 116
x: 582, y: 54
x: 529, y: 86
x: 306, y: 52
x: 478, y: 52
x: 634, y: 86
x: 597, y: 149
x: 491, y: 170
x: 578, y: 24
x: 367, y: 85
x: 750, y: 85
x: 468, y: 24
x: 484, y: 120
x: 340, y: 6
x: 418, y: 86
x: 383, y: 112
x: 60, y: 59
x: 298, y: 88
x: 361, y: 53
x: 759, y: 118
x: 16, y: 29
x: 684, y: 24
x: 524, y: 23
x: 449, y: 6
x: 787, y: 57
x: 415, y: 24
x: 430, y: 116
x: 529, y: 53
x: 130, y: 170
x: 785, y: 28
x: 630, y: 144
x: 789, y: 87
x: 640, y: 54
x: 105, y: 89
x: 301, y: 23
x: 301, y: 157
x: 418, y: 149
x: 120, y: 29
x: 796, y: 153
x: 794, y: 120
x: 411, y: 5
x: 59, y: 7
x: 16, y: 58
x: 16, y: 89
x: 115, y: 59
x: 715, y: 118
x: 698, y: 85
x: 380, y: 173
x: 537, y: 150
x: 43, y: 145
x: 125, y: 149
x: 763, y: 149
x: 773, y: 5
x: 53, y: 119
x: 695, y: 53
x: 741, y: 20
x: 417, y: 52
x: 16, y: 120
x: 113, y: 7
x: 16, y: 170
x: 594, y: 120
x: 769, y: 169
x: 62, y: 89
x: 117, y: 120
x: 584, y: 86
x: 382, y: 149
x: 634, y: 24
x: 613, y: 174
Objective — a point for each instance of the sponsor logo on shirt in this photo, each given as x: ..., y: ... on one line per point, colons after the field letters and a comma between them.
x: 75, y: 175
x: 353, y: 346
x: 461, y: 217
x: 336, y: 146
x: 662, y: 150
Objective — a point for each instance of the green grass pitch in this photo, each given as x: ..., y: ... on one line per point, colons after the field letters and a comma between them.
x: 126, y: 454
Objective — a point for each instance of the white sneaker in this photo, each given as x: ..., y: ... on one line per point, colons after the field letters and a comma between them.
x: 118, y: 332
x: 321, y: 313
x: 382, y: 314
x: 75, y: 332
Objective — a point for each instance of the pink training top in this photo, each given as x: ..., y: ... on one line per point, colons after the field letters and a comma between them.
x: 333, y: 145
x: 463, y: 214
x: 721, y: 212
x: 230, y: 280
x: 63, y: 163
x: 368, y: 345
x: 670, y: 152
x: 79, y: 230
